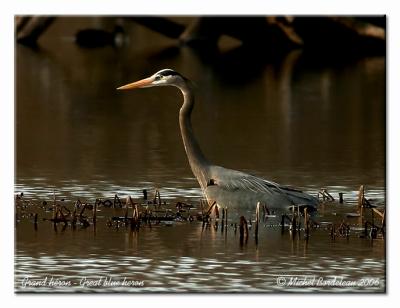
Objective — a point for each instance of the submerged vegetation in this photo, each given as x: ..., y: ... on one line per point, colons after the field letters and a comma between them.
x: 132, y: 215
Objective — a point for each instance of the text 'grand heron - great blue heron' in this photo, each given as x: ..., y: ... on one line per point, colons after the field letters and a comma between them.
x: 226, y: 187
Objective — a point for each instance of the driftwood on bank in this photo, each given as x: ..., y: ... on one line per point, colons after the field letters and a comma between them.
x: 162, y: 25
x: 30, y: 28
x: 329, y: 33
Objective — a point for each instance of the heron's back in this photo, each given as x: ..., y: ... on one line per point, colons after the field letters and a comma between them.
x: 241, y: 191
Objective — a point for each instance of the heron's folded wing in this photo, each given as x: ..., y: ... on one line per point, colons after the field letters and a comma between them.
x: 235, y: 180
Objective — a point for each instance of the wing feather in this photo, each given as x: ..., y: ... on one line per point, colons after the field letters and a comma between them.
x: 233, y: 180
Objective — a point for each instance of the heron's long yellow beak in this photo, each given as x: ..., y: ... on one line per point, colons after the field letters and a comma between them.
x: 137, y: 84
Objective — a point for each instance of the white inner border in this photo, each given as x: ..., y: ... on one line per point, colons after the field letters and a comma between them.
x: 192, y: 7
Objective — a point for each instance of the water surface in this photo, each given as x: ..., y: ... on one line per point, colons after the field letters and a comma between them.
x: 296, y: 119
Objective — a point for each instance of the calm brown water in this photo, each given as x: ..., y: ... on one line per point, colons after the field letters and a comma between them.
x: 292, y: 119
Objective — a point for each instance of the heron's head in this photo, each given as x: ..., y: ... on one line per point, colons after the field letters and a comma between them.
x: 165, y: 77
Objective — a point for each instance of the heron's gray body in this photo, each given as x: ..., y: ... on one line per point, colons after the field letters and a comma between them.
x: 238, y: 190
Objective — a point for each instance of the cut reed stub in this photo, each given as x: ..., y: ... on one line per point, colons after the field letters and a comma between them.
x: 257, y: 219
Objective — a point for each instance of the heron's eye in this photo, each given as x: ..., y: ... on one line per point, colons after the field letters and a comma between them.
x: 159, y: 77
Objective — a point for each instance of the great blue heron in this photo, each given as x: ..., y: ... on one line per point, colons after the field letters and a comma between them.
x: 226, y: 187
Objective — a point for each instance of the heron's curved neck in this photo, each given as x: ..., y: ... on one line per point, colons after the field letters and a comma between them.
x: 197, y: 161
